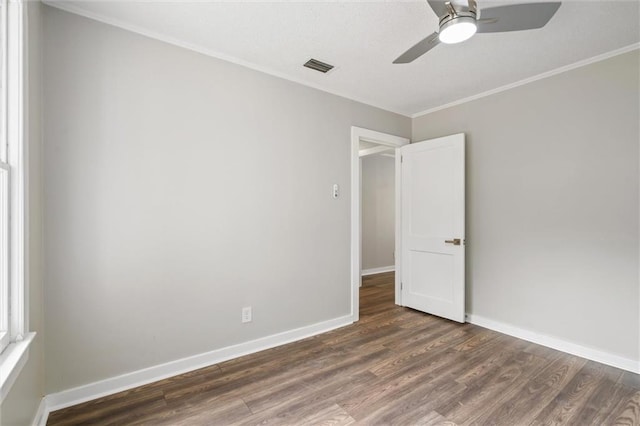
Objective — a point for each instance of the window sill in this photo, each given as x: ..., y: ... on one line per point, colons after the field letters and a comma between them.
x: 13, y: 358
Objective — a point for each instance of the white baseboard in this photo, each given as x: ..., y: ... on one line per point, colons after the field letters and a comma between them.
x: 42, y: 414
x: 131, y: 380
x: 378, y: 270
x: 558, y: 344
x: 69, y: 397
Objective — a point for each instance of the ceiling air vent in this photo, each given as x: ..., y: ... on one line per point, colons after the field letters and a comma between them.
x: 315, y: 64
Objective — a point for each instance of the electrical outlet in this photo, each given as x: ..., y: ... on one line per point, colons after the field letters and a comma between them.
x: 246, y: 314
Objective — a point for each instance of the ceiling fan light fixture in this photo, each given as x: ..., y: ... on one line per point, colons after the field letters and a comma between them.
x: 457, y: 30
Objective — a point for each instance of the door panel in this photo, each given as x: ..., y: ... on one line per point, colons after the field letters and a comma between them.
x: 431, y: 169
x: 431, y: 275
x: 432, y: 204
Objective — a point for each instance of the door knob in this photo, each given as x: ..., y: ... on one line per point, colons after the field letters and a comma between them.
x: 455, y: 241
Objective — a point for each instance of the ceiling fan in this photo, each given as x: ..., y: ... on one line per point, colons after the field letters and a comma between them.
x: 459, y: 23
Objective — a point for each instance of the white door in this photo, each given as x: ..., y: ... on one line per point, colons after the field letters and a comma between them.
x: 432, y: 206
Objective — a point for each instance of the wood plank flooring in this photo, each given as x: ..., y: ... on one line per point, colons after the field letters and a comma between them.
x: 395, y: 366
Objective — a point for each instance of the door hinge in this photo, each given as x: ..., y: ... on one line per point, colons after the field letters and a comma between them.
x: 402, y: 158
x: 401, y: 285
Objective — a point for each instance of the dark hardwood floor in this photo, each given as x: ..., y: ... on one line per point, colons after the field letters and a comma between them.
x: 395, y: 366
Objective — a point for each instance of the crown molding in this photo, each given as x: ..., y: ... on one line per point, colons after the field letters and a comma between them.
x: 211, y: 53
x: 232, y: 59
x: 544, y: 75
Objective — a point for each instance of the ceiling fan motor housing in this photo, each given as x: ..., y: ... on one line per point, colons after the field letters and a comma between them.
x: 457, y: 28
x: 469, y: 14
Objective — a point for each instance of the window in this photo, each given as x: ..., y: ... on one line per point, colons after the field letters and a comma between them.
x: 12, y: 233
x: 4, y: 255
x: 4, y: 185
x: 14, y: 341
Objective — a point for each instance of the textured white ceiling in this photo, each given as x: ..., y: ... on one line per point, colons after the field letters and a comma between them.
x: 362, y: 39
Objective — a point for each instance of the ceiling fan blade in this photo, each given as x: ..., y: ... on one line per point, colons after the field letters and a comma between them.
x: 439, y: 7
x: 516, y: 17
x: 419, y: 49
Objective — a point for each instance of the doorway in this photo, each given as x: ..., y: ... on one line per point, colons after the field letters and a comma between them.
x: 377, y: 227
x: 368, y: 142
x: 377, y: 209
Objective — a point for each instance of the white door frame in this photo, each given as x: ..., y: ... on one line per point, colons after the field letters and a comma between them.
x: 359, y: 134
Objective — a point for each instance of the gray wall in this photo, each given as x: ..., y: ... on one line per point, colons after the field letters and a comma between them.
x: 552, y: 204
x: 378, y: 211
x: 22, y: 402
x: 236, y: 169
x: 179, y: 188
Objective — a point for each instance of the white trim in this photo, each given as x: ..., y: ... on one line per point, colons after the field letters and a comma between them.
x: 397, y: 253
x: 374, y: 150
x: 360, y: 134
x: 381, y: 269
x: 547, y: 74
x: 15, y: 355
x: 95, y: 390
x: 17, y: 160
x: 42, y: 415
x: 4, y: 49
x: 5, y: 279
x: 12, y: 360
x: 380, y: 138
x: 134, y: 379
x: 557, y: 343
x: 206, y: 51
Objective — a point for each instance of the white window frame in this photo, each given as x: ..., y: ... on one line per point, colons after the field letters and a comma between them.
x: 5, y: 334
x: 15, y: 354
